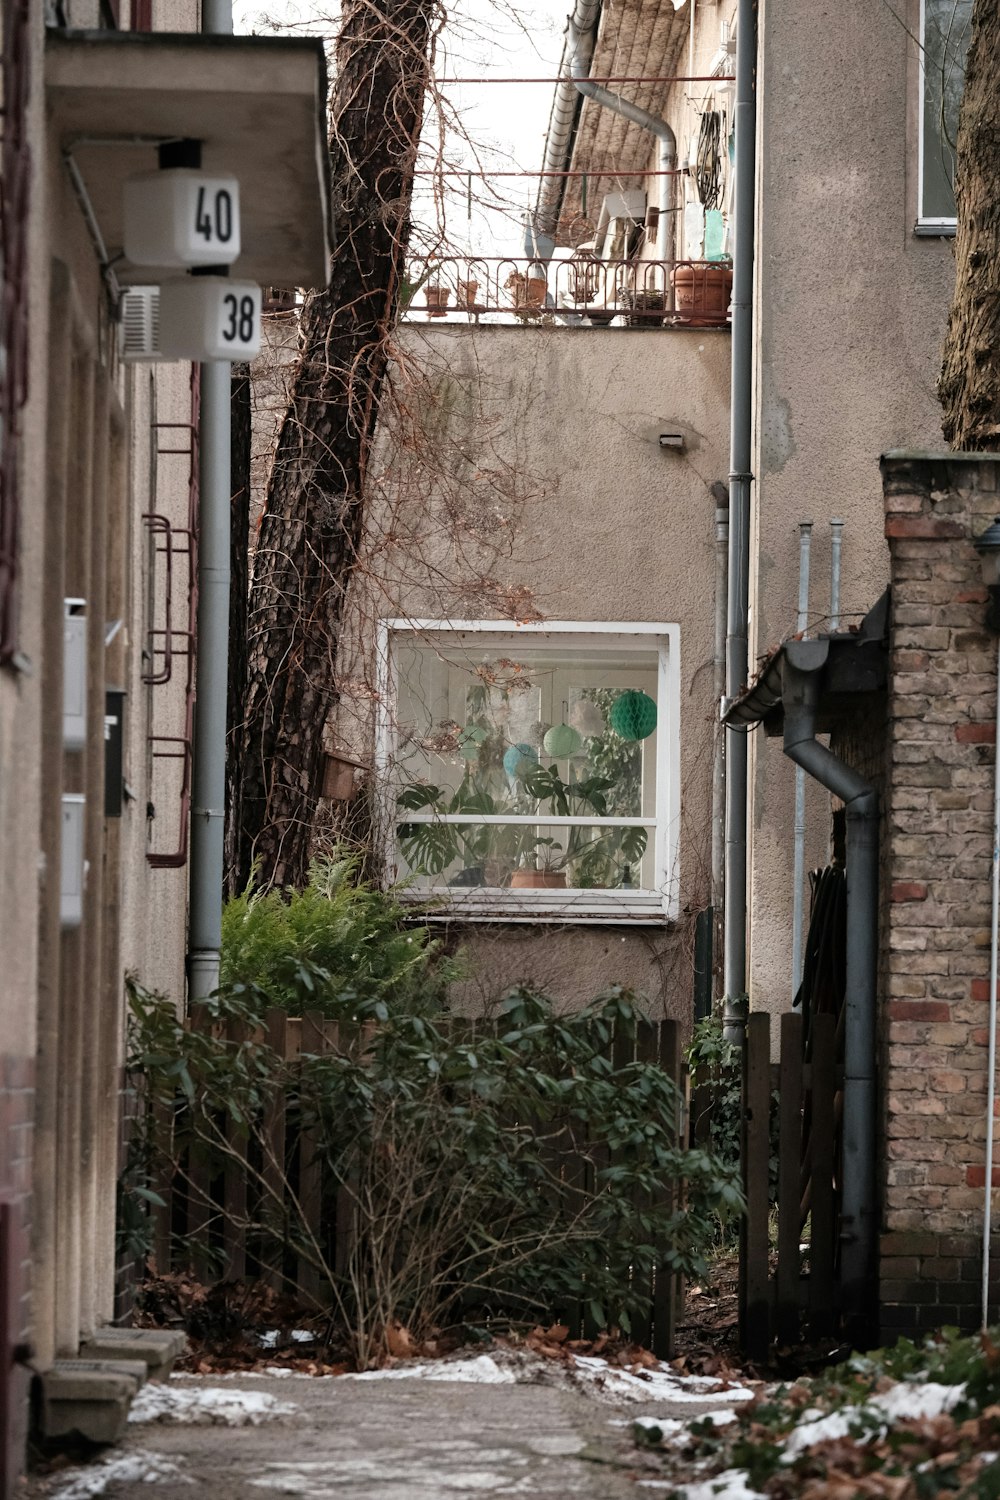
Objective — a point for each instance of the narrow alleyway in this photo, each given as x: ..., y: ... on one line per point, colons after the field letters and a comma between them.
x: 396, y: 1439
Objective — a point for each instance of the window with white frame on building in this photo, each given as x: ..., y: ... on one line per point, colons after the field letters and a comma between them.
x: 532, y: 770
x: 944, y: 37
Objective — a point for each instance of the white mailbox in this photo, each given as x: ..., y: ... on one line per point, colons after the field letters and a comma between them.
x: 74, y: 673
x: 182, y: 217
x: 209, y: 317
x: 74, y: 868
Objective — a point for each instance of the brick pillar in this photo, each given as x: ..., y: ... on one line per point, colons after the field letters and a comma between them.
x: 936, y: 871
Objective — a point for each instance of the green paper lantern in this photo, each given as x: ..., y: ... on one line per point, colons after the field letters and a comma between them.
x: 633, y: 715
x: 562, y: 740
x: 469, y: 741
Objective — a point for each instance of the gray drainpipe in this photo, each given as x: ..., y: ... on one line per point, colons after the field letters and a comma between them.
x: 740, y: 455
x: 666, y: 141
x: 801, y: 671
x: 208, y: 789
x: 559, y: 136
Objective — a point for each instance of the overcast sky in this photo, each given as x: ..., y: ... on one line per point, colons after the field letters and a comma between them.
x: 506, y: 122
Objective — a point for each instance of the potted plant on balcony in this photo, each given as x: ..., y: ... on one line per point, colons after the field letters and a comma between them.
x: 702, y: 293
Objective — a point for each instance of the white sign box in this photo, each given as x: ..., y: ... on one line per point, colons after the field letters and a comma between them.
x: 181, y: 217
x: 209, y: 317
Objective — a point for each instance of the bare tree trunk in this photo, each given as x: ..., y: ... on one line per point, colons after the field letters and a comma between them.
x: 311, y: 527
x: 970, y: 378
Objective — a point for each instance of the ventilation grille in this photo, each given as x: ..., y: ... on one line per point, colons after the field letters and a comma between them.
x: 140, y: 325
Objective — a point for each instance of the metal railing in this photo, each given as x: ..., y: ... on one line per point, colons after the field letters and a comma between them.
x: 581, y: 291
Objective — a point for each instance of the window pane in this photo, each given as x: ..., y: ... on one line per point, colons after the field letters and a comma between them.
x: 525, y: 857
x: 521, y: 729
x: 946, y: 40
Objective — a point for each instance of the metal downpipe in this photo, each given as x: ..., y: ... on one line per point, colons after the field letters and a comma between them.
x: 666, y: 141
x: 740, y: 455
x: 208, y: 781
x: 580, y: 29
x: 800, y: 695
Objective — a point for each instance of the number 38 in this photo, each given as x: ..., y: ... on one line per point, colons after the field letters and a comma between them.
x: 240, y: 325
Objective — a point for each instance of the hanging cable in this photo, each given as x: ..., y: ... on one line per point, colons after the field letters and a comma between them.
x: 708, y: 161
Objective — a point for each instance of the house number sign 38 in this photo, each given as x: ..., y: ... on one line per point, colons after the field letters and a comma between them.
x: 209, y: 317
x: 181, y: 217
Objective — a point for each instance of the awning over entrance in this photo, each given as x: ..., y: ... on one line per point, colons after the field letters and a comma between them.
x: 258, y: 105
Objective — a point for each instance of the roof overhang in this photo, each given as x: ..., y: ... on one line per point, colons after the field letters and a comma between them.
x: 257, y: 104
x: 853, y: 663
x: 636, y: 39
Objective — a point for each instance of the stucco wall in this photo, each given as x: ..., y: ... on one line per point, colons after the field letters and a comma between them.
x: 851, y: 310
x: 592, y: 521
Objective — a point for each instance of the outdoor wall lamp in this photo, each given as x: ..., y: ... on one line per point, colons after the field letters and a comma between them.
x: 988, y: 547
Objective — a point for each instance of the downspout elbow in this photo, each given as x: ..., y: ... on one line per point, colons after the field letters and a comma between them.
x: 666, y: 155
x: 800, y: 695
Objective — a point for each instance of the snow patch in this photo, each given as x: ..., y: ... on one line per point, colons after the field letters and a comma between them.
x: 906, y: 1401
x: 207, y: 1406
x: 656, y: 1385
x: 731, y: 1484
x: 123, y: 1468
x: 479, y: 1371
x: 271, y: 1337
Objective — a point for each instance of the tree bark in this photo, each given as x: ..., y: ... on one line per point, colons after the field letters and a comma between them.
x: 311, y: 526
x: 970, y: 378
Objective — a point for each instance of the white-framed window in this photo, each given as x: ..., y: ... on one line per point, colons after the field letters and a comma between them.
x: 531, y: 772
x: 944, y: 41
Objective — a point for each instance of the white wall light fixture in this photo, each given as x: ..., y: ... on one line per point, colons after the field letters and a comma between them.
x: 209, y: 317
x: 182, y: 217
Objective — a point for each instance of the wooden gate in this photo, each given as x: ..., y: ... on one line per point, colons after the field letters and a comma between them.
x: 789, y: 1252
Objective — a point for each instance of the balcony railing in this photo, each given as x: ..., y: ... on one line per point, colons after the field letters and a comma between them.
x: 576, y: 292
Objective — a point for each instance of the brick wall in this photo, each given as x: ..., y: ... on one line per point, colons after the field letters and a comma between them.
x: 936, y: 873
x: 17, y: 1098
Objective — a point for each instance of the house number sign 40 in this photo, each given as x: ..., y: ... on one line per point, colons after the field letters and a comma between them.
x: 181, y: 217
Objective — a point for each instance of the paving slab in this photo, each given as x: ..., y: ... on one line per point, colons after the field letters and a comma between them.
x: 404, y: 1438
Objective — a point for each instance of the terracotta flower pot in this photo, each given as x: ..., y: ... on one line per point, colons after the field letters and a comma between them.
x: 702, y: 294
x: 437, y: 301
x: 538, y: 880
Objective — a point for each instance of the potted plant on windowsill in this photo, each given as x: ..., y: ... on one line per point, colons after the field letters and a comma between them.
x: 535, y: 861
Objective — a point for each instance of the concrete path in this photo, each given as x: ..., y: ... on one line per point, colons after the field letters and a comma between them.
x: 399, y: 1439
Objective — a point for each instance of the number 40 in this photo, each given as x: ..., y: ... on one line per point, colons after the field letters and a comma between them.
x: 219, y: 223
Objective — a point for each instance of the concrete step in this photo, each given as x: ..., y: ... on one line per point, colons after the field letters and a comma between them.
x: 159, y: 1348
x: 90, y: 1397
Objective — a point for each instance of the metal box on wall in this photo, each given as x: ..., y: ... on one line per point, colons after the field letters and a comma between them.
x: 73, y: 871
x: 114, y: 739
x: 74, y: 673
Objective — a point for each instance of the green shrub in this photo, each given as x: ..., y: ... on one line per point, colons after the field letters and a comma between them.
x: 512, y: 1171
x: 335, y: 945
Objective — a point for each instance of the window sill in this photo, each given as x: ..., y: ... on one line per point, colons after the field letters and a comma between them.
x: 934, y: 229
x: 447, y: 904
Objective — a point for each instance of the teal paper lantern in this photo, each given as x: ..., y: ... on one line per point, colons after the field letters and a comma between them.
x: 633, y: 715
x: 562, y: 740
x: 518, y: 759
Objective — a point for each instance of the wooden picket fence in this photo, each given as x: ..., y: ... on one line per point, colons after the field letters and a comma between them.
x: 790, y: 1290
x: 197, y: 1228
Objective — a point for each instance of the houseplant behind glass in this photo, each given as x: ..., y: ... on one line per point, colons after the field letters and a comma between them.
x: 516, y: 853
